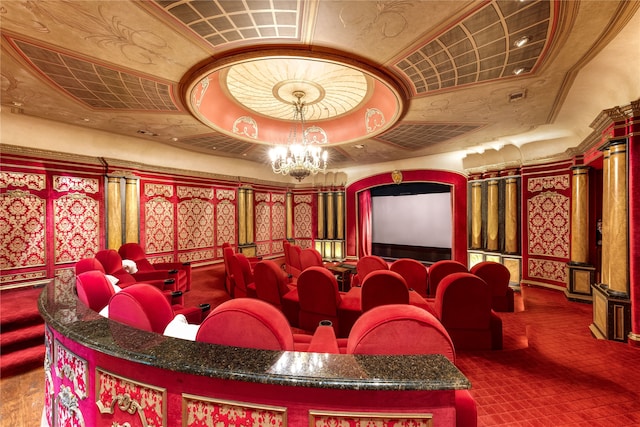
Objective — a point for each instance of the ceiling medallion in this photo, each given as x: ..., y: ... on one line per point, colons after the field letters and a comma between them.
x: 345, y: 100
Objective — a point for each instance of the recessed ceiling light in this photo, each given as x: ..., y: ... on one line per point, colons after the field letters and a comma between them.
x: 522, y: 41
x: 358, y: 146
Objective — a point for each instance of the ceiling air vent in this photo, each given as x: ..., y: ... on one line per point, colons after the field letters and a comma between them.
x: 517, y: 96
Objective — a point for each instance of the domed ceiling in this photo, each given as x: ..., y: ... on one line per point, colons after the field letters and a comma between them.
x: 385, y: 80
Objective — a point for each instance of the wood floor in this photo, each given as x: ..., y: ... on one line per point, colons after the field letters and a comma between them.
x: 21, y: 399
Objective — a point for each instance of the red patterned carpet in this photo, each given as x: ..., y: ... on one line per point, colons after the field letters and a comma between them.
x: 552, y: 371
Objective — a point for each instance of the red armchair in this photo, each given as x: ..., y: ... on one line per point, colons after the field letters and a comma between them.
x: 497, y: 277
x: 383, y: 287
x: 271, y: 283
x: 292, y: 259
x: 441, y: 269
x: 401, y: 329
x: 241, y: 276
x: 112, y: 264
x: 124, y: 279
x: 320, y: 300
x: 413, y: 272
x: 310, y: 257
x: 366, y: 265
x: 227, y: 253
x: 180, y: 272
x: 94, y: 289
x: 463, y: 306
x: 250, y: 323
x: 145, y: 307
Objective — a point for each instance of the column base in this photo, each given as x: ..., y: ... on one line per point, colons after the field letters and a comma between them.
x: 247, y: 250
x: 581, y: 276
x: 611, y: 314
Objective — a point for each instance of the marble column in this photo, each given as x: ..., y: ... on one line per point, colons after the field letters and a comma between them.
x: 114, y: 213
x: 511, y: 216
x: 476, y: 215
x: 617, y: 229
x: 340, y: 215
x: 322, y: 232
x: 289, y: 216
x: 580, y: 215
x: 604, y: 262
x: 492, y: 216
x: 242, y: 216
x: 132, y: 210
x: 331, y: 216
x: 250, y: 215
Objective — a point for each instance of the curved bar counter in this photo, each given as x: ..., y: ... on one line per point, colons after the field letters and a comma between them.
x: 103, y: 373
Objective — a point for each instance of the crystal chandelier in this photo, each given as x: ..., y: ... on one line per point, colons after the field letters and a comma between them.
x: 299, y: 158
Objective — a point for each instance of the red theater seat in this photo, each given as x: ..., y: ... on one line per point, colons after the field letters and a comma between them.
x: 366, y: 265
x: 94, y: 289
x: 413, y: 272
x: 320, y: 300
x: 383, y: 287
x: 272, y: 287
x: 441, y: 269
x: 241, y: 276
x: 292, y: 259
x: 497, y: 277
x: 112, y: 263
x: 463, y: 306
x: 402, y: 329
x: 310, y: 257
x: 250, y: 323
x: 180, y: 272
x: 145, y: 307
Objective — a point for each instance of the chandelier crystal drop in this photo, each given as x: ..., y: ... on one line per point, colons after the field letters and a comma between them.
x: 299, y: 158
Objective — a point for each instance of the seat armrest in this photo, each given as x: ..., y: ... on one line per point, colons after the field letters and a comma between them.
x: 324, y: 340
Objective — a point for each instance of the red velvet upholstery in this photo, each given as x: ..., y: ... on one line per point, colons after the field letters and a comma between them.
x: 399, y: 329
x: 295, y: 266
x: 146, y: 307
x: 112, y: 263
x: 241, y: 276
x: 271, y: 282
x: 413, y: 272
x: 439, y: 270
x: 402, y: 329
x: 366, y: 265
x: 497, y: 277
x: 310, y: 257
x: 180, y: 272
x: 383, y: 287
x: 94, y: 289
x: 141, y: 306
x: 320, y: 300
x: 175, y: 298
x: 89, y: 264
x: 250, y: 323
x: 227, y: 253
x: 463, y: 305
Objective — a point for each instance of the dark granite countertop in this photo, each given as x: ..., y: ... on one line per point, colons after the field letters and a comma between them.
x: 63, y: 312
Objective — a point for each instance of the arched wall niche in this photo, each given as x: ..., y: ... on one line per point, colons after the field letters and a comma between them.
x: 456, y: 180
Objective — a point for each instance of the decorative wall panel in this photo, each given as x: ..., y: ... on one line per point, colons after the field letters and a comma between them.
x: 270, y: 222
x: 68, y: 366
x: 547, y: 223
x: 76, y: 219
x: 302, y: 217
x: 130, y: 401
x: 200, y: 411
x: 225, y: 217
x: 159, y: 225
x: 195, y: 224
x: 22, y: 227
x: 351, y: 419
x: 30, y: 181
